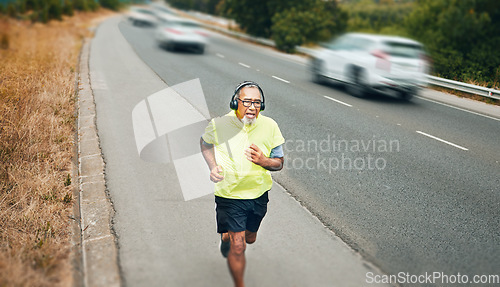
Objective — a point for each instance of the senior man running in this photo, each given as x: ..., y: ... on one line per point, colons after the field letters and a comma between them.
x: 240, y: 149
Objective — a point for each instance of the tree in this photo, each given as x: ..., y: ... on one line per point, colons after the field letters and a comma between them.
x: 289, y: 23
x: 54, y: 9
x: 68, y: 8
x: 80, y: 5
x: 252, y: 16
x: 382, y: 17
x: 94, y: 5
x: 110, y: 4
x: 319, y: 22
x: 462, y: 36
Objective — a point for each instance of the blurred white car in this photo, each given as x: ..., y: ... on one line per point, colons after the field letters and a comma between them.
x: 177, y: 32
x: 142, y: 16
x: 372, y: 63
x: 162, y: 10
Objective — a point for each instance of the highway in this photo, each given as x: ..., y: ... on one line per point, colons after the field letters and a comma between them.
x: 412, y: 186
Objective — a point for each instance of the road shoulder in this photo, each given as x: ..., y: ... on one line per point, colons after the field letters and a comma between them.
x: 99, y: 252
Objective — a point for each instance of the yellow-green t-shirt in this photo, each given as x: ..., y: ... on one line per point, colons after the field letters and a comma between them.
x: 242, y: 178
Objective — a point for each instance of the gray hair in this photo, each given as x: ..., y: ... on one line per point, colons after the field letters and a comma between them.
x: 249, y: 86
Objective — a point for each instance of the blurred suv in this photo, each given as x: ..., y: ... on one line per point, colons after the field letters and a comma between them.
x: 372, y: 63
x: 174, y: 32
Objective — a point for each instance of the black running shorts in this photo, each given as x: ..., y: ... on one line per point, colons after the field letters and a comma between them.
x: 240, y: 214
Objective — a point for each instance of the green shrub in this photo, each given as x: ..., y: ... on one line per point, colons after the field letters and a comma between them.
x: 93, y: 5
x: 54, y: 9
x: 80, y: 5
x: 11, y: 10
x: 462, y: 36
x: 295, y: 27
x: 68, y: 8
x: 288, y: 29
x: 110, y: 4
x: 368, y: 16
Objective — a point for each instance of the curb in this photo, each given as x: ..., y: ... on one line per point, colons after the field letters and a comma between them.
x: 98, y: 244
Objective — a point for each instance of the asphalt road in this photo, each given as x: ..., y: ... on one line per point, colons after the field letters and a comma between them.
x: 164, y: 239
x: 413, y: 186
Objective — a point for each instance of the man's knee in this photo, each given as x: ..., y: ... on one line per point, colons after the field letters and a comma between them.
x: 250, y: 237
x: 238, y: 244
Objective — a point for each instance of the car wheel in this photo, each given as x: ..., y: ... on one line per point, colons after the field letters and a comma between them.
x: 357, y: 83
x: 160, y: 44
x: 406, y: 95
x: 317, y: 67
x: 169, y: 46
x: 201, y: 49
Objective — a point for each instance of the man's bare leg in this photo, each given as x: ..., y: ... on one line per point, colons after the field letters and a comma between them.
x: 250, y: 237
x: 236, y: 257
x: 225, y: 237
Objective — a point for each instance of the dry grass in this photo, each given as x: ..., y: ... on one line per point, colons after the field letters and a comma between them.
x: 37, y: 127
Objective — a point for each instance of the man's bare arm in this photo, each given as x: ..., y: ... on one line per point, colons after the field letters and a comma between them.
x: 207, y: 150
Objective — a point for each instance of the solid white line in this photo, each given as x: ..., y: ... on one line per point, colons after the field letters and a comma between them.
x: 244, y: 65
x: 277, y: 78
x: 220, y: 55
x: 337, y: 101
x: 460, y: 109
x: 442, y: 140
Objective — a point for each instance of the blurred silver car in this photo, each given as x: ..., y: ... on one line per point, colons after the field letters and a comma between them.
x: 142, y: 16
x: 174, y: 32
x: 372, y: 63
x: 161, y: 10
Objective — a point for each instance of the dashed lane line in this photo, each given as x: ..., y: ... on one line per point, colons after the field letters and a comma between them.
x: 244, y: 65
x: 349, y: 105
x: 340, y: 102
x: 337, y: 101
x: 442, y: 140
x: 280, y: 79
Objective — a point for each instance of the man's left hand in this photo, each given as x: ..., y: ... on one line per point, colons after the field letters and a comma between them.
x: 255, y: 155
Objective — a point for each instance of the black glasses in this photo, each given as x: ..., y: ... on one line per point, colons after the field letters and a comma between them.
x: 247, y: 104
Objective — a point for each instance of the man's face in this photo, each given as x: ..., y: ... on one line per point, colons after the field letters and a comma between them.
x: 251, y: 112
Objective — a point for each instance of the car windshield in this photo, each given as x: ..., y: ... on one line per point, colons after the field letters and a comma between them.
x: 404, y: 50
x: 350, y: 43
x: 165, y: 10
x: 342, y: 43
x: 144, y: 11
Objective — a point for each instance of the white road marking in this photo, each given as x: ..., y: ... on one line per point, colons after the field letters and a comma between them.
x: 278, y: 78
x: 337, y: 101
x: 442, y: 140
x: 220, y: 55
x: 460, y: 109
x: 244, y: 65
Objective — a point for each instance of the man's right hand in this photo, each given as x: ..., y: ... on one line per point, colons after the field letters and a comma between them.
x: 216, y: 174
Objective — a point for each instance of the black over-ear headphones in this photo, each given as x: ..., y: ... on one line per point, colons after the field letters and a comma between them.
x: 234, y: 101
